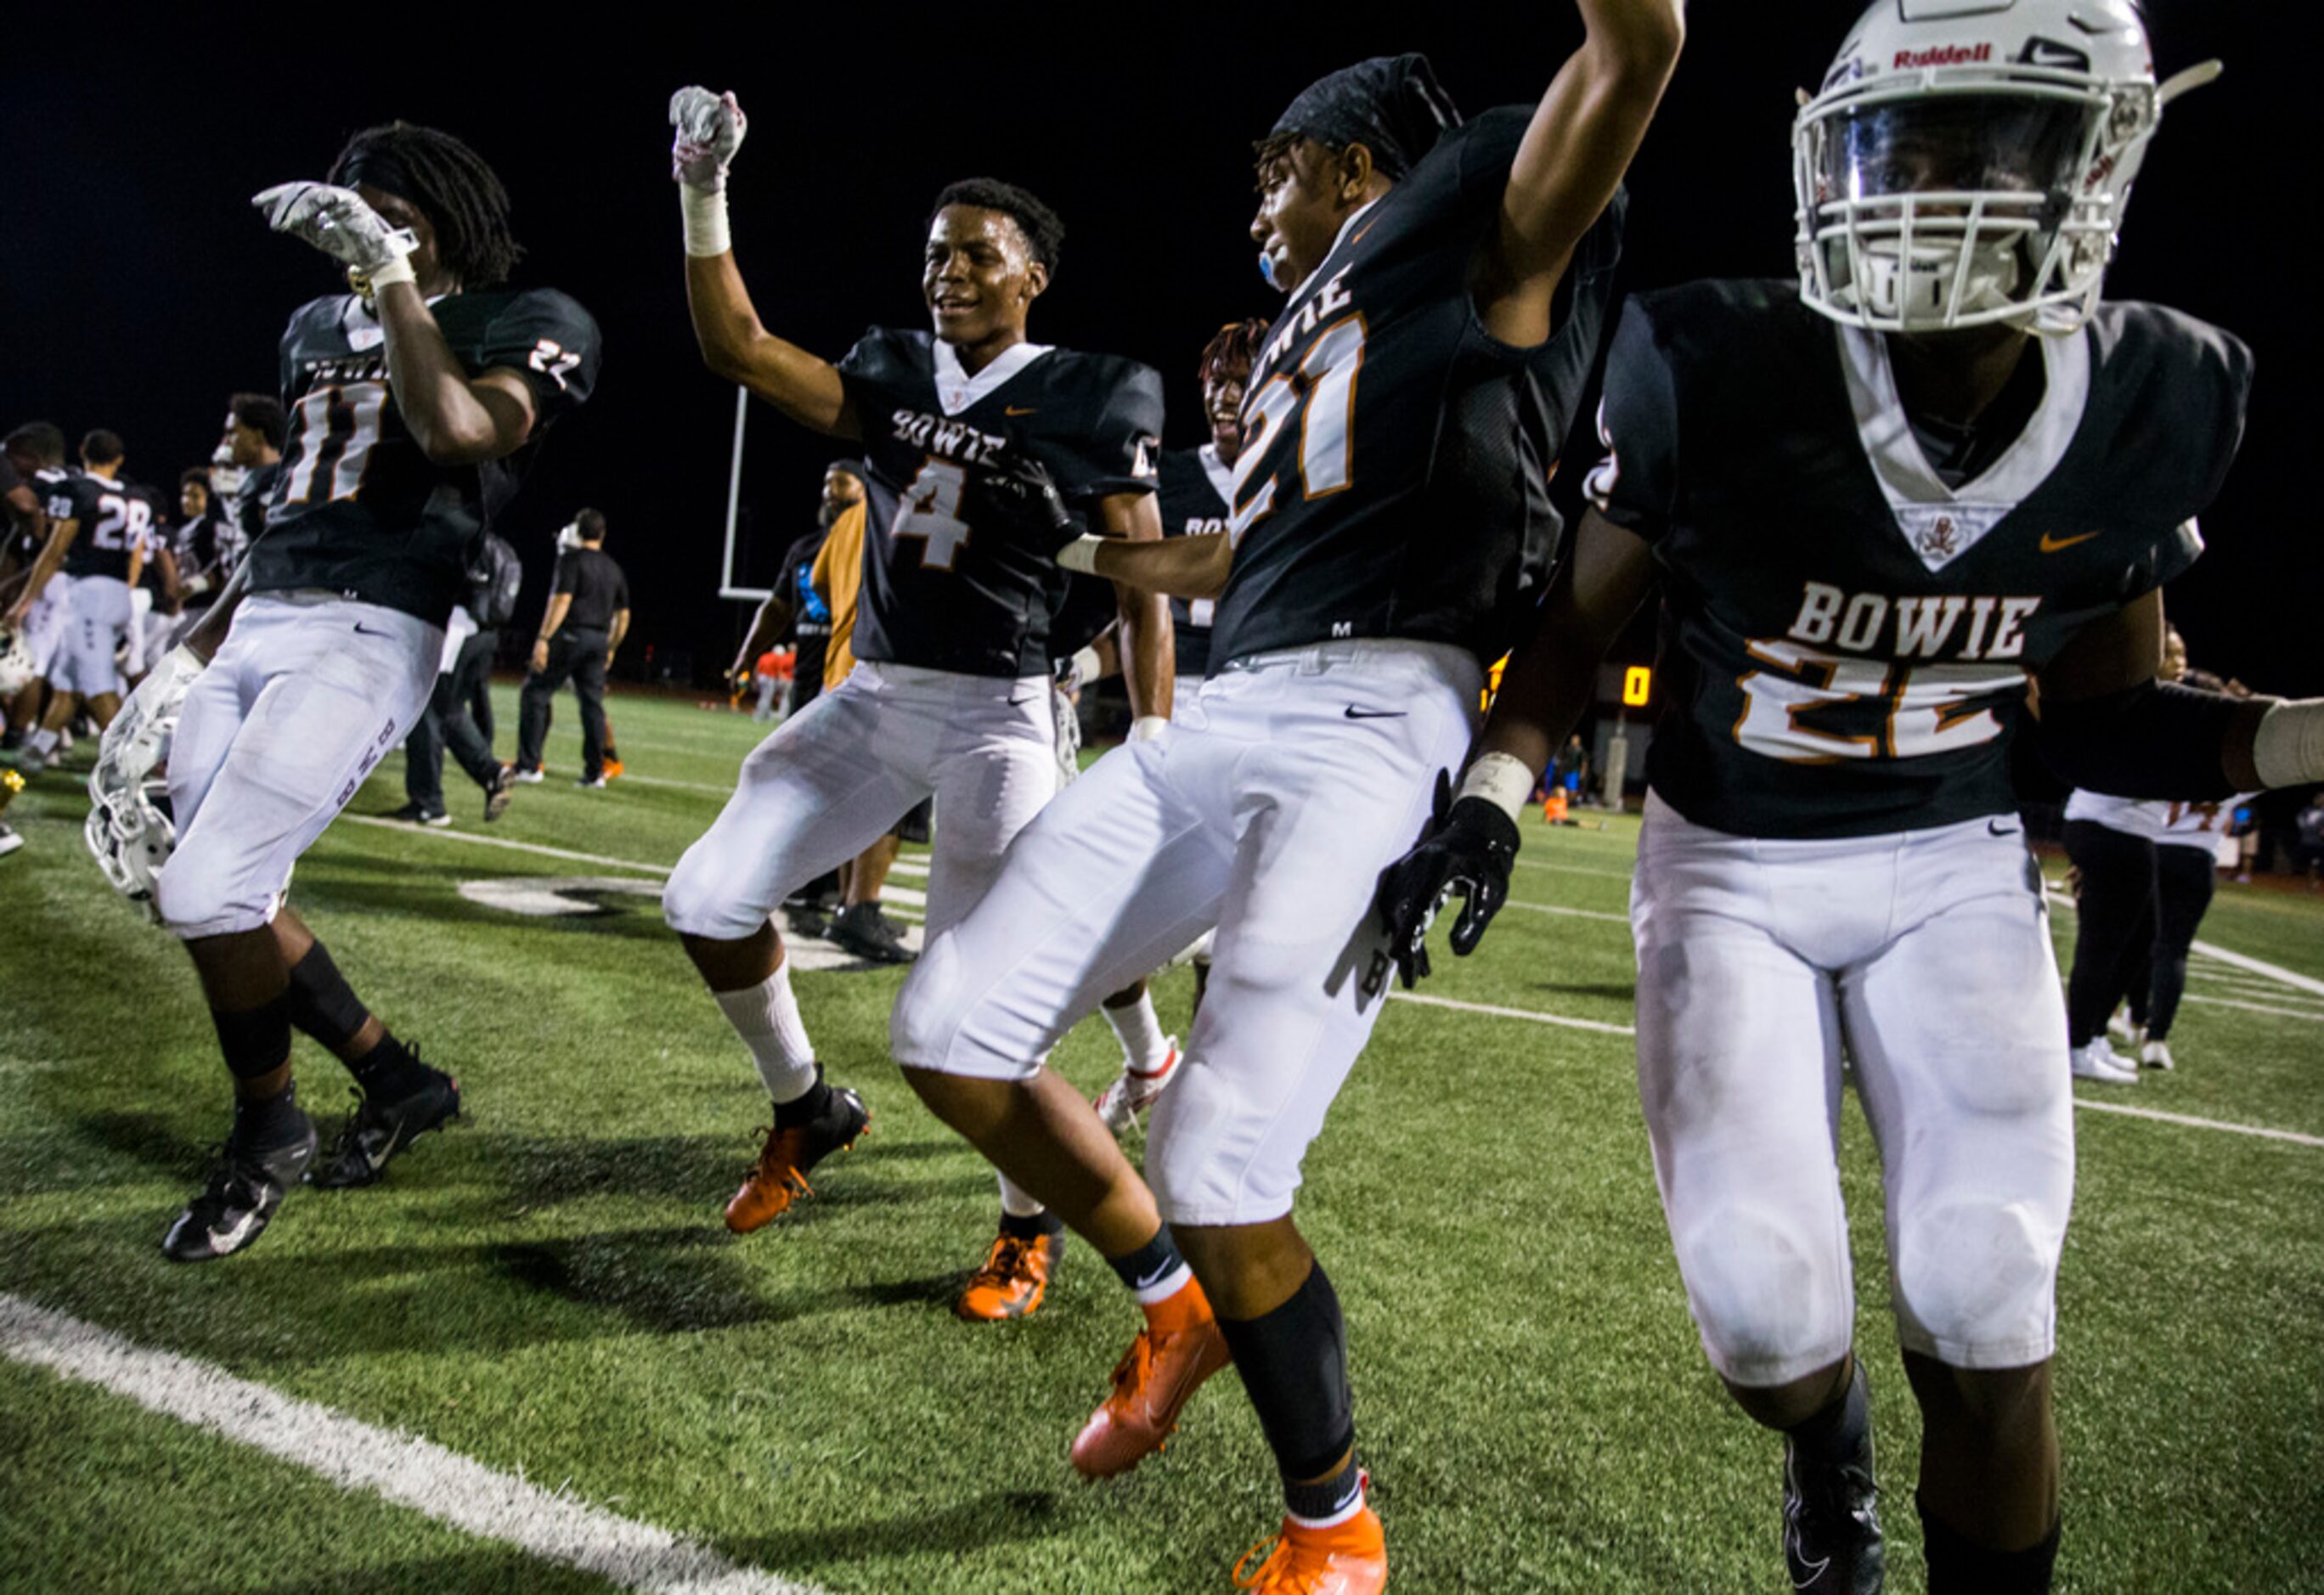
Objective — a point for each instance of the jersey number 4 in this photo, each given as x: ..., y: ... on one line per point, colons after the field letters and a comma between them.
x: 1325, y: 390
x: 337, y: 429
x: 1921, y: 709
x: 930, y: 509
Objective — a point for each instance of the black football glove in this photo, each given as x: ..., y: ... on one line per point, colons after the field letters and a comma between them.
x: 1468, y: 848
x: 1019, y: 489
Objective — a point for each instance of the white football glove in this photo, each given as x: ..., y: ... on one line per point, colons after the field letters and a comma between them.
x: 138, y: 737
x: 709, y: 128
x: 338, y: 222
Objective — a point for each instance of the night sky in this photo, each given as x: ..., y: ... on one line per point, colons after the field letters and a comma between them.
x: 137, y: 288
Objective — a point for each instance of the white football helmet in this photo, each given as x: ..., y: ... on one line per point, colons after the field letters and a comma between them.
x: 131, y: 836
x: 1967, y: 162
x: 16, y: 667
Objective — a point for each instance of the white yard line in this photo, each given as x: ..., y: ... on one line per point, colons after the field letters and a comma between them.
x: 439, y: 1484
x: 2310, y: 1014
x: 508, y: 842
x: 662, y: 780
x: 2292, y: 1136
x: 1527, y: 863
x: 2275, y: 971
x: 1600, y: 1026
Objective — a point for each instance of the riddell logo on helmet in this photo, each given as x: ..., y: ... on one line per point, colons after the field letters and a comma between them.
x: 1944, y: 55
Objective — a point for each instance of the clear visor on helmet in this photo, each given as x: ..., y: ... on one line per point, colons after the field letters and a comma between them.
x: 1954, y: 143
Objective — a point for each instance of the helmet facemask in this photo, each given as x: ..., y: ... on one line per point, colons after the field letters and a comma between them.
x: 1962, y: 195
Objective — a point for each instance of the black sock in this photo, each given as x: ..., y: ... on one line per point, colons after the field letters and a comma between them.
x: 322, y: 1004
x: 256, y: 1041
x: 1836, y: 1434
x: 1325, y: 1500
x: 269, y: 1122
x: 389, y: 1071
x: 807, y: 1108
x: 1150, y: 1264
x: 1957, y: 1566
x: 1032, y: 1226
x: 1293, y: 1363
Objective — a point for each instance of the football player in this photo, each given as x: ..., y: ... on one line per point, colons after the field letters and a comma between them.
x: 36, y: 450
x: 101, y: 570
x: 24, y: 533
x: 1880, y: 510
x: 949, y: 695
x: 1379, y: 547
x: 416, y: 403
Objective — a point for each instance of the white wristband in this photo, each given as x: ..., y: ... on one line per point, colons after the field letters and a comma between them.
x: 1501, y: 779
x: 1147, y: 727
x: 2288, y: 748
x: 398, y: 270
x: 1081, y: 555
x: 706, y: 221
x: 1086, y: 666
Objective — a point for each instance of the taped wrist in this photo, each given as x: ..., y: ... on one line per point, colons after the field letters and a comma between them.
x: 2288, y: 745
x: 398, y: 270
x: 1501, y: 779
x: 1147, y: 727
x: 256, y: 1041
x: 321, y: 1002
x: 1081, y: 554
x: 2155, y: 739
x: 705, y: 216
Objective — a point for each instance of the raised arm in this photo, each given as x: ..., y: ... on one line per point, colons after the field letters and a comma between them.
x: 1581, y: 141
x: 735, y: 345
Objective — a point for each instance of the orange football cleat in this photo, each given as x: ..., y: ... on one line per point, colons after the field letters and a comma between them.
x: 614, y: 767
x: 1151, y: 1384
x: 1015, y: 1276
x: 780, y: 1176
x: 1347, y: 1558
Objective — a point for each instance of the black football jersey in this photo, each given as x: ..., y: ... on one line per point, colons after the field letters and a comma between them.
x: 1847, y: 642
x: 359, y: 509
x: 946, y: 586
x: 251, y: 500
x: 1194, y: 485
x: 1412, y: 504
x: 115, y: 519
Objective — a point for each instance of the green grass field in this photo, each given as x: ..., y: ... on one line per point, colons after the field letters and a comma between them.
x: 547, y: 1289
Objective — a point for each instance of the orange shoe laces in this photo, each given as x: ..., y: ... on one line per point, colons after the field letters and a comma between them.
x: 1005, y: 1264
x: 1129, y: 1373
x: 1275, y: 1573
x: 767, y: 1171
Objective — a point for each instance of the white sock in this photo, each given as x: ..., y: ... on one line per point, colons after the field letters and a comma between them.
x: 767, y: 1018
x: 43, y: 741
x: 1015, y: 1202
x: 1144, y: 1048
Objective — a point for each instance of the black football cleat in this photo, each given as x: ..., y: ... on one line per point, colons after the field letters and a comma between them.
x: 378, y: 1130
x: 867, y: 933
x: 1831, y: 1522
x: 498, y: 795
x: 236, y: 1206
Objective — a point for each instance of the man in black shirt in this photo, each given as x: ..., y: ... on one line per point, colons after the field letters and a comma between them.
x: 417, y: 402
x: 471, y: 642
x: 588, y: 614
x: 795, y: 611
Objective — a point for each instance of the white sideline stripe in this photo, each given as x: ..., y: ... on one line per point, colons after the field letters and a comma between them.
x: 1525, y: 863
x: 2155, y: 1114
x: 1569, y: 912
x: 413, y: 1472
x: 662, y: 780
x: 2275, y: 971
x: 508, y: 842
x: 2310, y: 1014
x: 1599, y: 1025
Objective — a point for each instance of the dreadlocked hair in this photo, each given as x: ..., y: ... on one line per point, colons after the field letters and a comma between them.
x: 461, y: 195
x: 1233, y: 347
x: 1044, y: 235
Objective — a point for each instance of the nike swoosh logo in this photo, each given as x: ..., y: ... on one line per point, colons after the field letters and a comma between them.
x: 227, y: 1239
x: 1995, y: 828
x: 1012, y: 410
x: 385, y: 1152
x: 2050, y: 544
x: 1353, y: 713
x: 361, y: 632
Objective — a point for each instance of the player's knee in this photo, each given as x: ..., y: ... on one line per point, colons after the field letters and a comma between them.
x: 929, y: 1011
x: 700, y: 898
x: 196, y: 895
x: 1976, y: 1280
x: 1769, y: 1291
